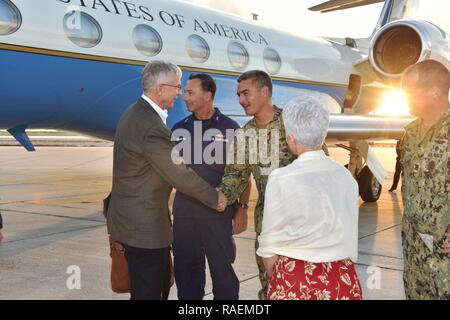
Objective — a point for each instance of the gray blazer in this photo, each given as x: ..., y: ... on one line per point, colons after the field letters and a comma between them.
x: 143, y: 177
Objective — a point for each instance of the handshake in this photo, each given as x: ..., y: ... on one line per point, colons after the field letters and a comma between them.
x: 222, y: 202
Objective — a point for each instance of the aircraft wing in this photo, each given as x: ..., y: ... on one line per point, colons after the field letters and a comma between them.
x: 333, y: 5
x: 350, y: 127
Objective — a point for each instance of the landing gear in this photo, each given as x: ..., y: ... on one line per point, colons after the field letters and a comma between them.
x: 369, y: 187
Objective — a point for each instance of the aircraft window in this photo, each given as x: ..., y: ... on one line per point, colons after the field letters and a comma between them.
x: 147, y: 40
x: 272, y: 60
x: 238, y: 55
x: 10, y: 18
x: 197, y: 48
x: 82, y: 29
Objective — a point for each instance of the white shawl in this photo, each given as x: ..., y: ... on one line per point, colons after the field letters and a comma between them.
x: 311, y: 211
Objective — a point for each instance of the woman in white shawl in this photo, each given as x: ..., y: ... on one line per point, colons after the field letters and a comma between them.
x: 309, y: 238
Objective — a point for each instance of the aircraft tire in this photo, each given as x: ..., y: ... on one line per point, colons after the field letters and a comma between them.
x: 369, y: 187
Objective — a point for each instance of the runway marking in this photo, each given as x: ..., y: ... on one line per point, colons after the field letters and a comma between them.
x: 25, y: 184
x: 385, y: 268
x: 57, y: 216
x: 56, y: 197
x: 56, y: 182
x: 378, y: 255
x: 55, y: 233
x: 381, y: 230
x: 90, y: 161
x: 363, y: 237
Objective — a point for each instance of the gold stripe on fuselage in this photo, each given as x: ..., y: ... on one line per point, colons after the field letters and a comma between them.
x: 82, y: 56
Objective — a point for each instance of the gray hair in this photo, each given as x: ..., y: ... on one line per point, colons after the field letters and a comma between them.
x: 156, y: 72
x: 307, y: 119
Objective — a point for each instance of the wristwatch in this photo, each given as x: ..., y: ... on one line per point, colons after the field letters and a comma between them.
x: 243, y: 205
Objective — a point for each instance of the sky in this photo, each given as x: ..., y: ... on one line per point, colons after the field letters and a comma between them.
x: 293, y: 15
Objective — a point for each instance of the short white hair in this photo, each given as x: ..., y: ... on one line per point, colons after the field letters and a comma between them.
x: 157, y: 72
x: 307, y: 119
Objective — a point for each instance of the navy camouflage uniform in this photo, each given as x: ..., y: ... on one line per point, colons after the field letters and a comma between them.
x: 426, y: 218
x: 237, y: 176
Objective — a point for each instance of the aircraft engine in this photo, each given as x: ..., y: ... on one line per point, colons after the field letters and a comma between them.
x: 402, y: 43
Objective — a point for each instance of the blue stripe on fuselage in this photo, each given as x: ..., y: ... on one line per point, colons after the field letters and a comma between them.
x: 88, y: 97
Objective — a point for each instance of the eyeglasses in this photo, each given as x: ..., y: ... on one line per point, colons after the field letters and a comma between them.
x: 171, y: 85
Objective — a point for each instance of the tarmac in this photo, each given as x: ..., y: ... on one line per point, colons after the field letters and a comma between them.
x: 51, y: 203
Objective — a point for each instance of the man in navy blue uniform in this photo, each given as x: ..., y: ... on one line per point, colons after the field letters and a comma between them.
x: 199, y: 231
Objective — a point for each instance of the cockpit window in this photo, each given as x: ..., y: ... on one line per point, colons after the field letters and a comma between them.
x: 10, y: 18
x: 147, y: 40
x: 197, y: 48
x: 82, y: 29
x: 238, y: 55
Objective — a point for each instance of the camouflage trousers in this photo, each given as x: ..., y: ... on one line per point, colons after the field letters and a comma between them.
x: 426, y: 273
x: 262, y: 293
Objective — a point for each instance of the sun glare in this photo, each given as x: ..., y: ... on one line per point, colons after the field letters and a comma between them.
x: 394, y: 103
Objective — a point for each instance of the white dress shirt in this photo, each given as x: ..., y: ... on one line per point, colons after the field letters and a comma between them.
x: 311, y: 211
x: 163, y: 114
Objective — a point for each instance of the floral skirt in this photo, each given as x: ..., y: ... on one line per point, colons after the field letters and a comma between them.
x: 301, y: 280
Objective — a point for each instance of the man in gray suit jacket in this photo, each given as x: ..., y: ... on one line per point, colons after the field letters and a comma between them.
x: 143, y: 176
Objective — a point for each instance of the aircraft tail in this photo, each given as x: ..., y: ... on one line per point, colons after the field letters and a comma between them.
x: 333, y: 5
